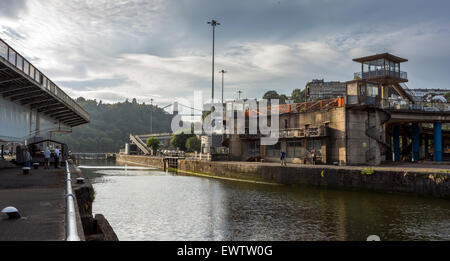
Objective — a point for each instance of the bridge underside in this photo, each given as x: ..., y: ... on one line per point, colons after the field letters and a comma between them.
x: 418, y: 135
x: 30, y: 104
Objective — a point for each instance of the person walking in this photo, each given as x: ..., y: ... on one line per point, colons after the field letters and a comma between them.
x: 27, y: 158
x: 47, y: 158
x: 283, y: 158
x: 56, y: 157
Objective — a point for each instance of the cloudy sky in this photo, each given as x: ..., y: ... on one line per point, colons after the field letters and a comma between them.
x: 161, y: 49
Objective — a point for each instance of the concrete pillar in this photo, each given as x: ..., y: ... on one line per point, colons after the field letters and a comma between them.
x: 396, y: 142
x: 437, y: 155
x: 415, y: 142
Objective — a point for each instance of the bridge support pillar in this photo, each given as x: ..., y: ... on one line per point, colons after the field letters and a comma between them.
x: 437, y: 145
x: 396, y: 142
x: 415, y: 142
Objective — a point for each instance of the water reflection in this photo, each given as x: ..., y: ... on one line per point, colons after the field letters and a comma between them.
x: 153, y: 205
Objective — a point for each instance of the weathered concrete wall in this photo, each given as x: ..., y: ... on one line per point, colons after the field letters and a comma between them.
x: 95, y: 229
x: 430, y: 184
x: 435, y: 184
x: 362, y: 149
x: 140, y: 160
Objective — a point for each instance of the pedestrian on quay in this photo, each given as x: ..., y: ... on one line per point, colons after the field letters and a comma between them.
x: 313, y: 157
x: 27, y: 158
x: 47, y: 158
x: 283, y: 158
x: 56, y: 157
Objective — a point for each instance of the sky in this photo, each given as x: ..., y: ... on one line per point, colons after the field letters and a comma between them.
x: 111, y: 50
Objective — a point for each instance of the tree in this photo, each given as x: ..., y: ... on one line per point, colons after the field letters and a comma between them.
x: 271, y: 95
x: 193, y: 144
x: 179, y: 140
x: 153, y: 144
x: 298, y: 96
x: 447, y: 96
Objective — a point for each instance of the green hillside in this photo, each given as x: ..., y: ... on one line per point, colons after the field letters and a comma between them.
x: 111, y: 125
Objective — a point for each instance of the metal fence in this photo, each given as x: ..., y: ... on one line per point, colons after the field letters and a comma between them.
x: 71, y: 221
x: 14, y: 58
x: 381, y: 73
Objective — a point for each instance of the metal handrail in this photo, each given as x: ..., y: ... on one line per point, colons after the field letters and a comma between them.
x: 71, y: 221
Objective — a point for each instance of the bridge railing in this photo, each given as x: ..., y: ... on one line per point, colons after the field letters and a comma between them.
x: 71, y: 221
x: 416, y: 106
x: 14, y: 58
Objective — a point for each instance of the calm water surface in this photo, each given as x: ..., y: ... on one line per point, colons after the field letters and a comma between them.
x: 148, y: 204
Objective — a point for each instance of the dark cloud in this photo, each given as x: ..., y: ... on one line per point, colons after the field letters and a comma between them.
x: 11, y: 8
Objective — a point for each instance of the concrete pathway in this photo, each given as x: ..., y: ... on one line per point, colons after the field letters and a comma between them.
x: 39, y: 197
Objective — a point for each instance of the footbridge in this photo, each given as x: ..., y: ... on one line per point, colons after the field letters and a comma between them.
x: 31, y: 105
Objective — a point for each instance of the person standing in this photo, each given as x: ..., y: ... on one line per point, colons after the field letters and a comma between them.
x: 27, y: 158
x: 46, y: 158
x: 56, y: 157
x: 283, y: 158
x: 313, y: 157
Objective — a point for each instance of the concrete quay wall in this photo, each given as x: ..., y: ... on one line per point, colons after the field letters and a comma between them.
x: 140, y: 160
x: 434, y: 183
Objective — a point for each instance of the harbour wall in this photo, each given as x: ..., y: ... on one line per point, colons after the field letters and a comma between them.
x: 434, y: 183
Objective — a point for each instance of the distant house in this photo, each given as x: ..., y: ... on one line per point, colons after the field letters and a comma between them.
x: 319, y: 89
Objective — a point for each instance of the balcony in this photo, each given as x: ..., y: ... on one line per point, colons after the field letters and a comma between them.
x: 381, y: 74
x: 309, y: 132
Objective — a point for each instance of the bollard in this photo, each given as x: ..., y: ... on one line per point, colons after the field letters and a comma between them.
x: 36, y: 165
x: 25, y: 170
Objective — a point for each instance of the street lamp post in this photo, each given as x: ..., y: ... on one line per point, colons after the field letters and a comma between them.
x: 222, y: 72
x: 239, y: 93
x: 151, y: 116
x: 213, y: 23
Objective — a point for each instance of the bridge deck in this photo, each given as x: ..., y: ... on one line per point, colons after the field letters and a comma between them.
x: 22, y: 83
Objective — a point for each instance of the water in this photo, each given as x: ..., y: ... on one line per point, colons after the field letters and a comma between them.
x: 148, y: 204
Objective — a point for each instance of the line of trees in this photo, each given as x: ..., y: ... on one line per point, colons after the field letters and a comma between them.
x: 297, y: 96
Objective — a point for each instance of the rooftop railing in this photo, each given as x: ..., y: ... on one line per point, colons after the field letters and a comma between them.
x: 416, y: 106
x: 381, y: 73
x: 18, y: 61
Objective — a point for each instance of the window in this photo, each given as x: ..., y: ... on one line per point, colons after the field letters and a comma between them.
x: 253, y: 148
x: 26, y: 67
x: 3, y: 50
x: 274, y: 151
x: 294, y: 149
x: 12, y: 57
x: 315, y: 145
x: 19, y: 62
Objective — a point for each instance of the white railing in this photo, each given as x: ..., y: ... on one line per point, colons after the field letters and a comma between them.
x: 71, y: 220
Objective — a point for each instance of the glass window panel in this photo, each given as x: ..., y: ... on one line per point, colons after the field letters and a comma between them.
x: 26, y: 67
x: 32, y: 70
x: 3, y: 50
x: 37, y: 75
x: 19, y: 62
x: 12, y: 56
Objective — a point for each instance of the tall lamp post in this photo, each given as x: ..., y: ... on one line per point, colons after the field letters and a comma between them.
x: 213, y: 23
x: 151, y: 115
x: 239, y: 93
x: 222, y: 72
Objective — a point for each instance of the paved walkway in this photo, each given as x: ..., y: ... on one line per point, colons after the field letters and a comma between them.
x: 39, y: 197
